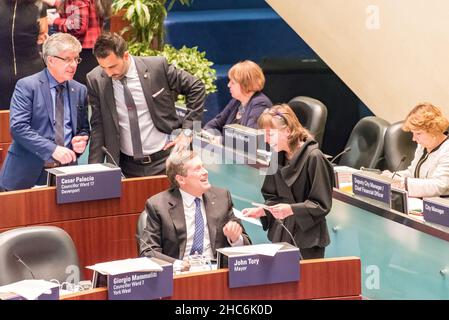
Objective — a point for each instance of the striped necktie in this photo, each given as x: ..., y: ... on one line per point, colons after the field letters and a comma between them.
x: 198, y: 237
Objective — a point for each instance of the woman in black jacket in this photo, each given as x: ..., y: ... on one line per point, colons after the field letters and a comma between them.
x: 299, y: 193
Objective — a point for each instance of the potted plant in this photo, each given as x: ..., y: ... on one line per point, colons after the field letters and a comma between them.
x: 144, y: 30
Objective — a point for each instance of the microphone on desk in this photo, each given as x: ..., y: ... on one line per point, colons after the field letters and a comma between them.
x: 24, y: 264
x: 146, y: 245
x: 340, y: 154
x: 378, y: 171
x: 398, y: 166
x: 281, y: 223
x: 103, y: 148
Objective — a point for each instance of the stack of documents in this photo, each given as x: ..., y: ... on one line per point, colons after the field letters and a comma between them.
x: 266, y: 249
x: 29, y: 289
x: 143, y: 264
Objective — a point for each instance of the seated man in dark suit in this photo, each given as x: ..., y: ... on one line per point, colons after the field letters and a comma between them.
x: 190, y: 218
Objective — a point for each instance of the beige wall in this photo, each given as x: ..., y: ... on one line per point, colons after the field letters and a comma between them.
x: 391, y: 53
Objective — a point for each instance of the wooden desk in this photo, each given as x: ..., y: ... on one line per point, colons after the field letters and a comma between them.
x: 102, y: 230
x: 5, y: 137
x: 336, y: 278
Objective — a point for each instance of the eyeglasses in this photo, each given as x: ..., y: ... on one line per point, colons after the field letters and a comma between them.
x: 275, y: 113
x: 70, y: 60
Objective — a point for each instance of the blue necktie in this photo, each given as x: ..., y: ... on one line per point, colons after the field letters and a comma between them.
x: 198, y: 237
x: 59, y: 116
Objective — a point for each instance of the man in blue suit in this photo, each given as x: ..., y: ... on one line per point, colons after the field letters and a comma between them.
x: 48, y: 117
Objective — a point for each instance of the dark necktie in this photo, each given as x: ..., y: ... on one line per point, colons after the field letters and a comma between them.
x: 133, y: 121
x: 59, y: 115
x: 198, y: 237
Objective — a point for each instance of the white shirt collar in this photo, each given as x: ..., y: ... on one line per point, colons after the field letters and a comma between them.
x: 187, y: 198
x: 132, y: 70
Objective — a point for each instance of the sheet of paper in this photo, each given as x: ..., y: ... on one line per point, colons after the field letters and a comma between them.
x: 260, y: 205
x: 85, y: 168
x: 415, y: 205
x: 29, y: 289
x: 126, y: 265
x: 266, y: 249
x: 240, y: 215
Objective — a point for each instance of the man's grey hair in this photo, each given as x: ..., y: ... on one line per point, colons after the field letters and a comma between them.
x: 175, y: 165
x: 59, y: 42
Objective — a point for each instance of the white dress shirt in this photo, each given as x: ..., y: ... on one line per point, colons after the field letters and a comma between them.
x: 188, y: 201
x: 153, y: 140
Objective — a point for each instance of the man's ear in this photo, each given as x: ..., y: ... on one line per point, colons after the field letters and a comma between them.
x: 180, y: 179
x: 126, y: 55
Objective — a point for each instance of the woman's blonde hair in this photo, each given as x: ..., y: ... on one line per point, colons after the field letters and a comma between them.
x: 248, y: 75
x: 427, y: 117
x: 282, y: 116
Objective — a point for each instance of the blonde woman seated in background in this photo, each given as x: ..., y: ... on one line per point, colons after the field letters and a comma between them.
x: 428, y: 174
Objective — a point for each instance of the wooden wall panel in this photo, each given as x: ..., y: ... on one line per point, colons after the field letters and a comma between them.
x: 5, y: 137
x: 338, y: 278
x: 4, y: 126
x: 37, y: 206
x: 319, y: 279
x: 102, y: 230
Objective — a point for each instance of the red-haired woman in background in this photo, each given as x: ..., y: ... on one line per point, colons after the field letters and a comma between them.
x: 428, y: 174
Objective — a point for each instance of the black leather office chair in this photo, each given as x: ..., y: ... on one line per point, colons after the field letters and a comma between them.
x: 141, y: 223
x: 312, y: 114
x: 43, y: 252
x: 367, y: 144
x: 398, y: 144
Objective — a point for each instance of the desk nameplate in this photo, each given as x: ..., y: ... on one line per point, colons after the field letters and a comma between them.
x: 436, y: 210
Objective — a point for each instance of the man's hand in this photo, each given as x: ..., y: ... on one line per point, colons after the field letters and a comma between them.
x: 181, y: 142
x: 64, y: 155
x: 185, y: 266
x: 79, y: 143
x: 232, y: 230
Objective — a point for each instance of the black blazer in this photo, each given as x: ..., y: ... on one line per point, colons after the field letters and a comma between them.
x: 160, y: 83
x: 166, y: 231
x: 306, y: 183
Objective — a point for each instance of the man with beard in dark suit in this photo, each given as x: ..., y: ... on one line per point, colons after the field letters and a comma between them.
x: 133, y: 108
